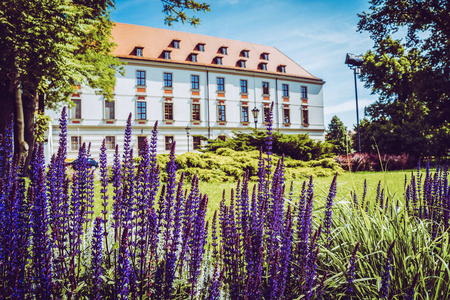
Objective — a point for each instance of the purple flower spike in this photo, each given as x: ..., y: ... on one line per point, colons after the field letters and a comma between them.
x: 384, y: 290
x: 351, y: 272
x: 96, y: 263
x: 411, y: 292
x: 329, y: 211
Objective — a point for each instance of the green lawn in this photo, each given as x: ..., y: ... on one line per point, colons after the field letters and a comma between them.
x: 392, y: 182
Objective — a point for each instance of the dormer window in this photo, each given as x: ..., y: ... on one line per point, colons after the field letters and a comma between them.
x: 176, y: 44
x: 282, y: 68
x: 139, y: 51
x: 166, y: 54
x: 244, y: 53
x: 241, y: 63
x: 263, y: 66
x: 194, y: 57
x: 265, y: 56
x: 201, y: 47
x: 218, y: 61
x: 223, y: 50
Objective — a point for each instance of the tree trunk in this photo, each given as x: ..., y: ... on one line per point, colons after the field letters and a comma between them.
x: 21, y: 145
x: 29, y: 108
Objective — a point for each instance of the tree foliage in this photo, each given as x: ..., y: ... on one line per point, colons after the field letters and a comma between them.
x: 338, y: 136
x: 409, y: 68
x: 49, y: 47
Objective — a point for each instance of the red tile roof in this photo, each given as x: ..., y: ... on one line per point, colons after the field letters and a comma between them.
x: 154, y: 41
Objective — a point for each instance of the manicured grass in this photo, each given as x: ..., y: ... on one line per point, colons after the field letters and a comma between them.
x: 392, y: 182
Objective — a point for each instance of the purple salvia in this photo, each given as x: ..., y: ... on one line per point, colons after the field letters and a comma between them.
x: 411, y: 292
x: 363, y: 199
x: 351, y: 272
x: 41, y: 244
x: 117, y: 185
x: 170, y: 191
x: 123, y: 268
x: 154, y: 166
x: 214, y: 235
x: 319, y: 290
x: 96, y: 262
x: 286, y: 246
x: 329, y: 211
x: 215, y: 284
x: 385, y: 277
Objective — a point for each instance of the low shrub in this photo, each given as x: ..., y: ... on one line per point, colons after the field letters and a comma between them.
x: 295, y: 146
x: 373, y: 162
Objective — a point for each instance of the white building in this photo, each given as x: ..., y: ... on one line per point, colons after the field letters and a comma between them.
x: 206, y: 83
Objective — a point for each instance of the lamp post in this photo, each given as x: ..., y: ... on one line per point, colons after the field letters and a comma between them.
x: 255, y: 113
x: 354, y: 62
x: 188, y: 129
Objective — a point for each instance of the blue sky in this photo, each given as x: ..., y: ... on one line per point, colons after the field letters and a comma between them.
x: 315, y: 34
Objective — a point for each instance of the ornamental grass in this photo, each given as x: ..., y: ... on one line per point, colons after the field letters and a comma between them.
x: 152, y: 240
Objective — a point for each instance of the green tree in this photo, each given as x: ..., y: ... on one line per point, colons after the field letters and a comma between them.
x: 410, y: 73
x: 338, y: 136
x: 49, y: 47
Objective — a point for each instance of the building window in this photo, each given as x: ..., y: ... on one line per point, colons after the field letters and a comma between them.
x: 304, y: 91
x: 265, y: 88
x: 166, y: 54
x: 244, y: 53
x: 195, y: 82
x: 286, y: 116
x: 176, y: 44
x: 265, y: 56
x: 140, y: 77
x: 194, y: 57
x: 110, y: 142
x: 168, y: 111
x: 76, y: 110
x: 196, y: 112
x: 244, y: 113
x: 139, y: 52
x: 263, y: 66
x: 241, y: 63
x: 219, y: 61
x: 168, y: 142
x: 75, y: 143
x: 285, y: 88
x: 109, y: 110
x: 221, y: 84
x: 266, y: 113
x: 221, y: 113
x: 223, y: 50
x: 282, y: 69
x: 196, y: 142
x: 244, y: 86
x: 201, y: 47
x: 141, y: 110
x: 305, y: 117
x: 141, y: 142
x: 167, y: 79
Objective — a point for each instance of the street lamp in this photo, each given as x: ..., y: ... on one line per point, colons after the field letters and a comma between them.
x: 354, y: 62
x: 188, y: 129
x: 255, y: 113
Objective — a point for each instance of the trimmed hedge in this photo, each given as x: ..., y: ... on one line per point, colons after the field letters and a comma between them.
x: 228, y: 165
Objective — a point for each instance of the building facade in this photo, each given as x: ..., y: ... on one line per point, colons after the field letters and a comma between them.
x: 208, y: 84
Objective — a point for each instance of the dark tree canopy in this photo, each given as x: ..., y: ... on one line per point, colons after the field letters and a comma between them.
x: 409, y: 67
x: 49, y: 47
x: 338, y: 136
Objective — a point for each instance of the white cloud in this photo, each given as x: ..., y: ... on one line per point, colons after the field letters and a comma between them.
x: 347, y: 106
